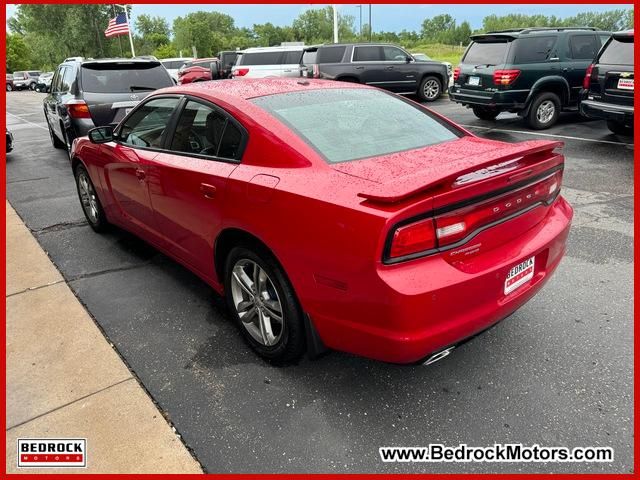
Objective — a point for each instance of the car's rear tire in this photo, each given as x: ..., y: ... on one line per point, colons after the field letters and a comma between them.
x: 32, y: 86
x: 263, y: 304
x: 544, y: 111
x: 89, y: 200
x: 430, y: 89
x: 619, y: 128
x: 55, y: 141
x: 486, y: 113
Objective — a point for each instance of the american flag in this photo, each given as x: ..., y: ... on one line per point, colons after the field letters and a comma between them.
x: 117, y: 26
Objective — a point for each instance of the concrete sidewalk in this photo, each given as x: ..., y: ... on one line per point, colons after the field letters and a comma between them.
x: 65, y: 381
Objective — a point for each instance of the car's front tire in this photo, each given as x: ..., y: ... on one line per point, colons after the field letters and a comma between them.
x: 486, y: 113
x: 544, y: 111
x: 430, y: 89
x: 619, y: 128
x: 89, y: 200
x: 9, y: 87
x: 32, y: 86
x: 263, y: 304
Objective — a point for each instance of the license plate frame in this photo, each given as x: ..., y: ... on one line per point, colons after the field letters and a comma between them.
x: 626, y: 84
x: 519, y: 275
x: 473, y: 81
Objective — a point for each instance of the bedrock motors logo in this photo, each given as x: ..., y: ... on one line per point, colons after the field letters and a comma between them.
x: 52, y: 452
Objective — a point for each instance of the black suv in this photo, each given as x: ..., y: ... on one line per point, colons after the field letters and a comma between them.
x: 90, y: 93
x: 535, y: 72
x: 608, y: 84
x: 379, y: 65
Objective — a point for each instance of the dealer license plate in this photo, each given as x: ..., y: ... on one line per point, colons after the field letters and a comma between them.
x: 625, y: 84
x: 519, y: 275
x: 474, y: 81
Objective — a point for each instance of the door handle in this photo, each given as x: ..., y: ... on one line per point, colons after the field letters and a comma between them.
x: 359, y: 68
x: 208, y: 191
x: 390, y: 68
x: 141, y: 174
x: 289, y: 70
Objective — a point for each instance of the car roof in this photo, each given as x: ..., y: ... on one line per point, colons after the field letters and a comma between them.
x: 521, y: 32
x: 249, y: 88
x: 112, y: 60
x: 174, y: 59
x: 273, y: 49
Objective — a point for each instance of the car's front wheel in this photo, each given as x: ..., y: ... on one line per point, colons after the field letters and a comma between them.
x: 9, y: 87
x: 261, y: 300
x: 32, y: 86
x: 430, y: 89
x: 619, y: 128
x: 544, y: 111
x: 89, y: 200
x: 486, y: 113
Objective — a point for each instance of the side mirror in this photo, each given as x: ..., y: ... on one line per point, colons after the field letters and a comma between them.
x: 215, y: 70
x: 409, y: 59
x: 101, y: 134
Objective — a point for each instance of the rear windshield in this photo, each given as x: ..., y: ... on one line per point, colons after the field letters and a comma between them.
x: 18, y: 75
x: 350, y: 124
x: 617, y: 53
x: 120, y: 78
x: 486, y: 53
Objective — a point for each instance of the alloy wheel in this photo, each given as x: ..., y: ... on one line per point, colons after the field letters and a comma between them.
x: 88, y: 197
x: 257, y: 302
x: 545, y: 112
x: 431, y: 89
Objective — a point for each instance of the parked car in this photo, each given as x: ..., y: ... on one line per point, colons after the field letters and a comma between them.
x: 9, y: 78
x: 44, y: 82
x: 423, y: 57
x: 9, y: 144
x: 326, y: 224
x: 227, y: 61
x: 199, y: 70
x: 380, y: 65
x: 534, y: 72
x: 90, y: 93
x: 283, y: 61
x: 26, y: 79
x: 173, y: 65
x: 608, y: 88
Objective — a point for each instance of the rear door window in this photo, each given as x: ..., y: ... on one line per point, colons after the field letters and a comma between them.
x: 368, y: 54
x: 329, y: 55
x: 261, y: 58
x: 123, y: 78
x: 583, y: 47
x: 486, y: 53
x: 533, y: 49
x: 617, y: 53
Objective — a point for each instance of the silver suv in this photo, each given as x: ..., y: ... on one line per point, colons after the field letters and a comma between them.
x: 283, y: 61
x: 26, y: 79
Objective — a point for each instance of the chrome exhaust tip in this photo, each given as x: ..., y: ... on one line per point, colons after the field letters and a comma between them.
x: 438, y: 356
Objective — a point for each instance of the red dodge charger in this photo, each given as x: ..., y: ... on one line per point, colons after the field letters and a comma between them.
x: 332, y: 215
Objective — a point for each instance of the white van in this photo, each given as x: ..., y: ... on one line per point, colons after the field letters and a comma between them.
x: 174, y: 64
x: 283, y: 61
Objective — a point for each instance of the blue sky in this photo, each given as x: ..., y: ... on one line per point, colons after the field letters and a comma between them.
x: 391, y: 17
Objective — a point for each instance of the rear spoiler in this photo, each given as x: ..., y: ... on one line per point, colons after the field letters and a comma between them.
x: 399, y: 189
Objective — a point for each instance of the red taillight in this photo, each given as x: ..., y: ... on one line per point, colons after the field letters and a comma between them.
x: 454, y: 226
x: 586, y: 83
x: 449, y: 228
x: 316, y: 70
x: 78, y: 109
x: 456, y: 73
x: 413, y: 238
x: 505, y: 77
x: 240, y: 72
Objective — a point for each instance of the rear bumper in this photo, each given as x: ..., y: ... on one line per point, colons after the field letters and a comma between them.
x: 429, y: 304
x: 504, y: 100
x: 607, y: 111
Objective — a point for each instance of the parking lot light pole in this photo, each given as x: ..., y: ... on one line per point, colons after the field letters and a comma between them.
x: 126, y: 16
x: 335, y: 24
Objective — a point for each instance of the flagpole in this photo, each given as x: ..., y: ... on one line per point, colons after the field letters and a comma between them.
x: 126, y: 16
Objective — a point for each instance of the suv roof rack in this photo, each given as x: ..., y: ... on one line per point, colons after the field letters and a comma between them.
x: 541, y: 29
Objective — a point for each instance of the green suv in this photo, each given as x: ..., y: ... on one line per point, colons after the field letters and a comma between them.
x: 534, y: 72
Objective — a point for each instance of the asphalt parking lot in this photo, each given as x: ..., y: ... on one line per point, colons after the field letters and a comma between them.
x: 559, y: 372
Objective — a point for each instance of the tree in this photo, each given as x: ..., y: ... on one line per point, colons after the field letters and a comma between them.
x: 17, y: 53
x: 165, y: 51
x: 268, y: 35
x: 316, y: 26
x: 204, y: 30
x: 611, y: 20
x: 437, y: 27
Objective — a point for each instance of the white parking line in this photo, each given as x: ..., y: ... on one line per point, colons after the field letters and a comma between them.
x: 547, y: 135
x: 27, y: 121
